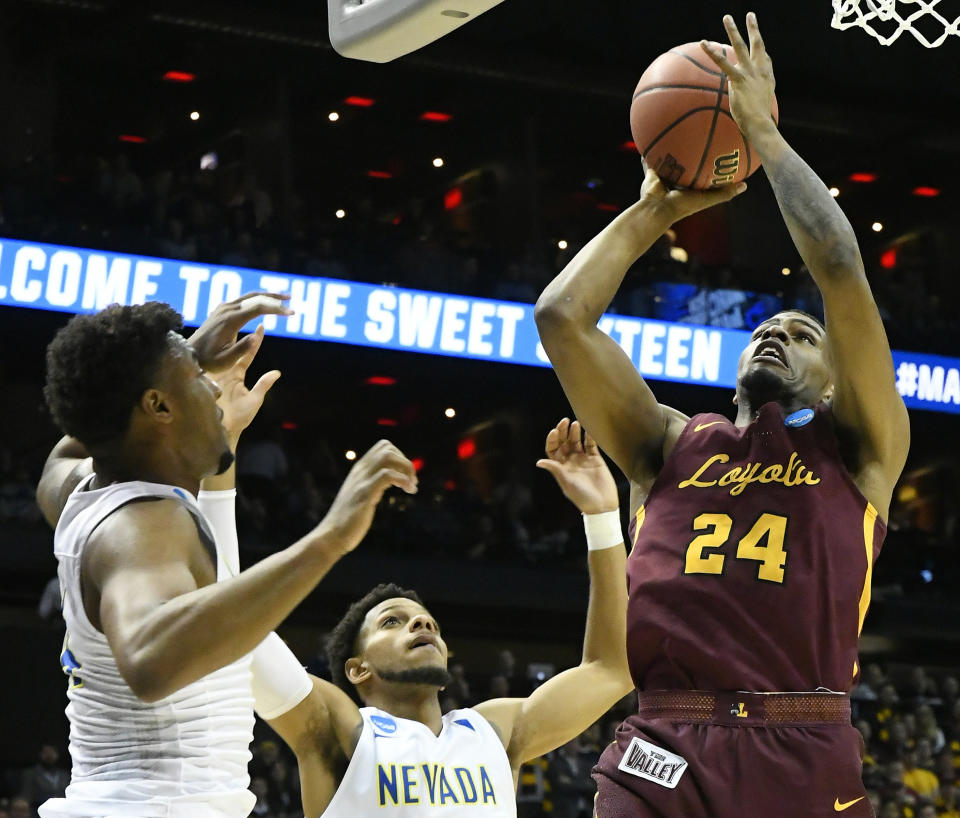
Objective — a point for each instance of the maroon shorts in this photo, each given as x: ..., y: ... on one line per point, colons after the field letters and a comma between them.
x: 688, y: 754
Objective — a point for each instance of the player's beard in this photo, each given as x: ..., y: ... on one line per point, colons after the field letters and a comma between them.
x: 226, y: 461
x: 762, y: 385
x: 433, y: 675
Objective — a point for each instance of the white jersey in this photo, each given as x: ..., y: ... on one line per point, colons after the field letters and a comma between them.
x: 184, y: 756
x: 400, y: 769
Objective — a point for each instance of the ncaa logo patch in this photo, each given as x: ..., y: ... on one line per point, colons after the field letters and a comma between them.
x: 383, y: 725
x: 646, y: 760
x: 800, y: 418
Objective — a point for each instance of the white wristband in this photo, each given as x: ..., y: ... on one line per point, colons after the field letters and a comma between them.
x: 279, y: 681
x: 219, y: 509
x: 603, y: 530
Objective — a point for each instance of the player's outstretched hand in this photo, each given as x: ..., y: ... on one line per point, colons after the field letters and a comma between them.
x: 578, y: 467
x: 215, y: 340
x: 240, y: 404
x: 751, y: 79
x: 351, y: 514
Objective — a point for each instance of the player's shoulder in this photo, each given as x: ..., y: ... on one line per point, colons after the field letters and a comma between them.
x: 676, y: 423
x: 469, y: 718
x: 326, y: 724
x: 148, y: 526
x: 147, y: 511
x: 673, y: 419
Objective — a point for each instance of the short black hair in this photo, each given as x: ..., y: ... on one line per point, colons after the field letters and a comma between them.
x: 99, y: 365
x: 342, y: 642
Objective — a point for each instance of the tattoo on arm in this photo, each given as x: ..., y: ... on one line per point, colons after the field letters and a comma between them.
x: 820, y: 230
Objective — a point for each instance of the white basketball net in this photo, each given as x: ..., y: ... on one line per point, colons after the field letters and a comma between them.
x: 888, y: 19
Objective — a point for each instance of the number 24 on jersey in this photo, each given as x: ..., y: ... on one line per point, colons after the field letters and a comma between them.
x: 763, y: 543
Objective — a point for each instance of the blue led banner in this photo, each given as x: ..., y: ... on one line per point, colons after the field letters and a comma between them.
x: 69, y: 279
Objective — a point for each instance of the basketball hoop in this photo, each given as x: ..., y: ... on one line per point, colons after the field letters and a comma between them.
x: 886, y: 20
x: 382, y: 30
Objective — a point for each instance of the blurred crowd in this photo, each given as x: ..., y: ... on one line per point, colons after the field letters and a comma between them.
x: 284, y: 491
x: 910, y: 724
x: 909, y: 719
x: 492, y: 506
x: 286, y: 484
x: 224, y: 215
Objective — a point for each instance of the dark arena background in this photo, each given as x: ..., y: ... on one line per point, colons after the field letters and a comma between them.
x: 229, y: 136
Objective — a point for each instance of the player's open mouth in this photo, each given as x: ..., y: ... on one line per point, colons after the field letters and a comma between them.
x: 772, y: 352
x: 424, y: 641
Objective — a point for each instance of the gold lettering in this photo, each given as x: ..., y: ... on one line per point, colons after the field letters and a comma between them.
x: 731, y: 476
x: 787, y: 480
x: 794, y: 473
x: 695, y: 481
x: 749, y: 476
x: 771, y: 474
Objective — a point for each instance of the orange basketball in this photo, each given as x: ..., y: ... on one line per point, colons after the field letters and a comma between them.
x: 681, y: 122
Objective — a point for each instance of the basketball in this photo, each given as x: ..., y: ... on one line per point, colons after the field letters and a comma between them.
x: 681, y: 122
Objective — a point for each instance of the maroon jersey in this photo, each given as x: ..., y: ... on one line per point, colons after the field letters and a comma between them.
x: 751, y: 560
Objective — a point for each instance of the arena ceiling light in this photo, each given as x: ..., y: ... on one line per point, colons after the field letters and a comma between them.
x: 179, y: 76
x: 435, y: 116
x: 863, y: 177
x: 452, y: 199
x: 926, y: 192
x: 360, y: 102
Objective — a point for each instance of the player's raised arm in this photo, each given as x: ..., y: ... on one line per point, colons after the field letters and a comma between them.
x: 317, y: 720
x: 601, y: 383
x: 67, y: 464
x: 865, y: 400
x: 322, y: 730
x: 569, y: 703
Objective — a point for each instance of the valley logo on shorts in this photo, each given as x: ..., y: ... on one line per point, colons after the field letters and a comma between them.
x: 646, y: 760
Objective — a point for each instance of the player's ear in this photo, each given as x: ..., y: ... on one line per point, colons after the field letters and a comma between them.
x: 357, y: 670
x: 154, y: 404
x: 828, y: 393
x: 735, y: 400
